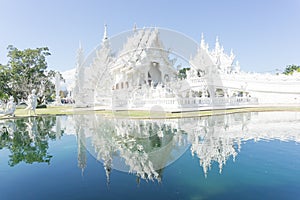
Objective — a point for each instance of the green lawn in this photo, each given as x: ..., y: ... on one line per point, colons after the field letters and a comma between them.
x: 69, y: 110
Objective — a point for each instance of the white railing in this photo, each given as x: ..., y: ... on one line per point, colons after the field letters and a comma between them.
x: 189, y: 102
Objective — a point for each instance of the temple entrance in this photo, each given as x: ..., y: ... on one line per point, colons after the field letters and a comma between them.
x: 154, y: 74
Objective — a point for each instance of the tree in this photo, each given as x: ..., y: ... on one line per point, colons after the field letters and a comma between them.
x: 4, y: 81
x: 182, y: 73
x: 290, y: 69
x: 29, y: 141
x: 28, y: 71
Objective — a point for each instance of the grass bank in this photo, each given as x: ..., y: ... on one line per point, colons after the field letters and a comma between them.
x: 137, y: 114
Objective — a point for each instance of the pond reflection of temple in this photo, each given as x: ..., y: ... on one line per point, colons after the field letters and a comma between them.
x: 140, y: 146
x: 144, y: 147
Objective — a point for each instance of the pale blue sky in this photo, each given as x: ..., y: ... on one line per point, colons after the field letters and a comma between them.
x: 264, y: 35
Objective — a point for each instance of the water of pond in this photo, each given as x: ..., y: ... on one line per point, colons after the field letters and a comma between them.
x: 233, y: 156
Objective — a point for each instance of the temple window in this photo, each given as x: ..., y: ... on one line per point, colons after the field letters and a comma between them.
x: 219, y: 92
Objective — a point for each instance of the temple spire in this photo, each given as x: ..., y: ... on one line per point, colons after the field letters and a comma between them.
x: 202, y: 43
x: 105, y: 41
x: 105, y: 34
x: 217, y: 45
x: 232, y: 56
x: 80, y: 46
x: 80, y: 55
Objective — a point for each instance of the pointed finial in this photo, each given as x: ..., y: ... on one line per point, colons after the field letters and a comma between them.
x: 80, y: 55
x: 217, y: 46
x: 231, y: 54
x: 80, y: 46
x: 134, y: 27
x: 202, y: 43
x: 105, y: 33
x: 237, y: 66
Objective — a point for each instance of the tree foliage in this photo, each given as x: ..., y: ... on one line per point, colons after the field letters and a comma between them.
x: 290, y: 69
x: 27, y: 139
x: 26, y: 70
x: 182, y: 73
x: 4, y: 81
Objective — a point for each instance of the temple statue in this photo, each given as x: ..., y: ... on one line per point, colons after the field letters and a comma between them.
x: 57, y: 89
x: 31, y: 102
x: 9, y: 109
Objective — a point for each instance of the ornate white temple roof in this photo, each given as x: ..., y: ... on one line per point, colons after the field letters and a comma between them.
x: 142, y: 47
x: 107, y: 76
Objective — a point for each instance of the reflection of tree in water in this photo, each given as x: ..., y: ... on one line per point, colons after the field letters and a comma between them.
x: 27, y: 139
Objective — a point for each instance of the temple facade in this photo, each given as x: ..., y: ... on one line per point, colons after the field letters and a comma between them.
x: 144, y: 73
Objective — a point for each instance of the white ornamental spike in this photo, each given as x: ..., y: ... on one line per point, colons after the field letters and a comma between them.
x: 105, y: 33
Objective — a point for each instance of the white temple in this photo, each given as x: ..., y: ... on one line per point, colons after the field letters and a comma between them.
x: 143, y: 74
